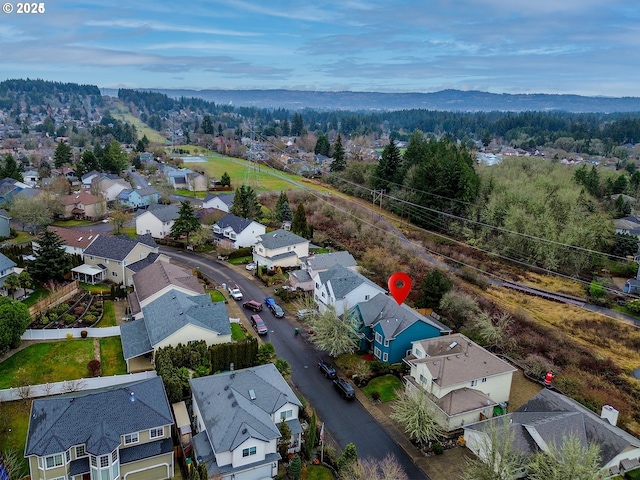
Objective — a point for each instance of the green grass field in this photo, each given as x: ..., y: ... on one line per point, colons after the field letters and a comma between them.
x: 47, y: 362
x: 111, y: 356
x: 122, y: 113
x: 318, y: 472
x: 109, y: 315
x: 386, y: 386
x: 13, y: 435
x: 38, y: 294
x: 237, y: 333
x: 216, y: 295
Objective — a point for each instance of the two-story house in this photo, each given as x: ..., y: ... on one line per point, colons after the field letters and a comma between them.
x: 139, y: 197
x: 109, y: 434
x: 280, y: 248
x: 74, y: 241
x: 158, y: 278
x: 303, y: 278
x: 387, y: 329
x: 462, y: 381
x: 172, y: 318
x: 157, y: 220
x: 237, y: 232
x: 219, y: 201
x: 109, y: 256
x: 184, y: 178
x: 341, y: 288
x: 83, y: 205
x: 110, y: 188
x: 237, y: 415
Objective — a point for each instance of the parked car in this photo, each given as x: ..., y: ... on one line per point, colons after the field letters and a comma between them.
x: 327, y: 369
x: 274, y: 307
x: 258, y: 324
x: 305, y: 313
x: 251, y: 266
x: 234, y: 291
x: 344, y: 388
x: 253, y: 305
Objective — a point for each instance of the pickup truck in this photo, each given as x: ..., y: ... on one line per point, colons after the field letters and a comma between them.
x: 327, y: 369
x: 344, y: 388
x: 234, y: 292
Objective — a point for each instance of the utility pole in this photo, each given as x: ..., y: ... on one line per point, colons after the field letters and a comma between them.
x: 376, y: 195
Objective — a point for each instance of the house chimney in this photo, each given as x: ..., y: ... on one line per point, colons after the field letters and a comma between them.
x: 610, y: 414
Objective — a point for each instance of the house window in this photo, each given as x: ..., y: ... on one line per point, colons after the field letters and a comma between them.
x: 288, y: 249
x: 131, y: 438
x: 67, y: 456
x: 114, y: 456
x: 80, y: 451
x: 156, y: 432
x: 385, y: 357
x: 94, y: 462
x: 423, y: 380
x: 104, y: 461
x: 378, y: 338
x: 322, y: 294
x: 317, y: 285
x: 419, y: 353
x: 40, y: 463
x: 484, y: 380
x: 114, y: 274
x: 474, y: 383
x: 91, y: 257
x: 232, y: 236
x: 286, y: 414
x: 53, y: 461
x: 386, y: 342
x: 249, y: 451
x: 367, y: 297
x: 376, y: 352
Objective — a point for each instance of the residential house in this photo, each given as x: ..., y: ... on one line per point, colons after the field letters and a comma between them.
x: 110, y: 188
x: 139, y: 197
x: 237, y: 415
x: 313, y: 264
x: 237, y: 232
x: 74, y: 241
x: 83, y: 205
x: 185, y: 179
x: 9, y: 187
x: 109, y: 257
x: 67, y: 172
x: 388, y: 329
x: 157, y: 220
x: 219, y: 201
x: 463, y: 383
x: 340, y: 288
x: 156, y: 279
x: 146, y: 157
x: 629, y: 225
x: 88, y: 178
x: 548, y: 418
x: 280, y: 249
x: 118, y: 432
x: 5, y: 228
x: 7, y: 267
x: 31, y: 177
x: 172, y: 318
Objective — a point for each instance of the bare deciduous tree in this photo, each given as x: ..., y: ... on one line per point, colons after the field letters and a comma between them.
x: 416, y: 416
x: 572, y: 459
x: 332, y: 335
x: 371, y: 469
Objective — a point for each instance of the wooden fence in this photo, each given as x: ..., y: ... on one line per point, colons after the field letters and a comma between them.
x: 55, y: 298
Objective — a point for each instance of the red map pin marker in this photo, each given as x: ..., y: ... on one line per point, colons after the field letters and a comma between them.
x: 399, y: 293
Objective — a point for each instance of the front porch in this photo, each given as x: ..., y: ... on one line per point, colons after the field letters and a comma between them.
x: 91, y: 274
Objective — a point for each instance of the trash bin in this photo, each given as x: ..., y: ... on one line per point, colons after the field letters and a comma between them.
x: 296, y: 330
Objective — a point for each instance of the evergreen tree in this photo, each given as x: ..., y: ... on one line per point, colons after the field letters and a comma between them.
x: 225, y: 180
x: 186, y: 223
x: 322, y: 146
x: 339, y: 163
x: 297, y: 125
x: 299, y: 224
x: 11, y: 169
x: 434, y: 286
x: 389, y: 168
x: 51, y: 261
x: 295, y: 467
x: 245, y: 204
x: 284, y: 442
x: 114, y: 159
x: 286, y: 128
x: 207, y: 125
x: 311, y: 437
x: 283, y: 208
x: 62, y: 155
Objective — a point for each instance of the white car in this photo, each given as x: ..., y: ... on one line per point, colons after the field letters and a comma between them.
x: 251, y: 266
x: 234, y: 292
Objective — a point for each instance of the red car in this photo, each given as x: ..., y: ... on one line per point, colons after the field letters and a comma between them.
x: 253, y: 305
x: 258, y: 324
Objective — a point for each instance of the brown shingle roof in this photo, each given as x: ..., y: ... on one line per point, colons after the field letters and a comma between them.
x: 159, y: 275
x: 74, y: 238
x: 83, y: 197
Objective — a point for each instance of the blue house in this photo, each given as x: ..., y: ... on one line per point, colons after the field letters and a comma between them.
x: 139, y: 197
x: 388, y: 329
x: 5, y: 229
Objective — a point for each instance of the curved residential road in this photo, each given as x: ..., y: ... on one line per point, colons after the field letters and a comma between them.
x: 345, y: 421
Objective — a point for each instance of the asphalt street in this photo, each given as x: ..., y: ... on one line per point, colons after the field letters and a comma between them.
x: 346, y: 421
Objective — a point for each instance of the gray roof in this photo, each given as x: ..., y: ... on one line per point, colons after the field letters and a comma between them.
x: 394, y: 318
x: 117, y: 247
x: 166, y: 315
x: 300, y: 275
x: 6, y: 262
x: 237, y: 224
x: 28, y: 193
x: 96, y: 418
x: 4, y: 214
x: 226, y: 198
x: 144, y: 263
x: 148, y: 190
x: 159, y: 275
x: 325, y: 261
x: 344, y: 280
x: 230, y: 416
x: 164, y: 213
x: 280, y: 238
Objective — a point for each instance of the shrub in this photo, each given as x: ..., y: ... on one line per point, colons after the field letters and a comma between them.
x: 68, y: 319
x: 84, y: 333
x: 438, y: 449
x: 379, y: 367
x: 375, y: 395
x: 89, y: 318
x: 95, y: 368
x: 78, y: 310
x: 69, y: 336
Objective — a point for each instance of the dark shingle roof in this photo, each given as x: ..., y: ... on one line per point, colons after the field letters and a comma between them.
x: 145, y: 450
x: 226, y: 198
x: 6, y: 262
x: 135, y: 339
x: 117, y: 247
x: 325, y: 261
x: 144, y: 263
x: 96, y: 419
x: 344, y: 280
x: 164, y: 213
x: 237, y: 224
x: 280, y: 238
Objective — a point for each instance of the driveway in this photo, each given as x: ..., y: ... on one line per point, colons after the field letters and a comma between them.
x: 346, y: 421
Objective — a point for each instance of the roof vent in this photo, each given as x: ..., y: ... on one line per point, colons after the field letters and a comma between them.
x: 252, y: 394
x: 244, y: 431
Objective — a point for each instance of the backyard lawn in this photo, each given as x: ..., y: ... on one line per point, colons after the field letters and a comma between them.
x: 386, y: 386
x: 109, y: 317
x: 318, y: 472
x: 14, y: 423
x: 216, y: 295
x: 47, y: 362
x: 237, y: 333
x: 111, y: 356
x: 38, y: 294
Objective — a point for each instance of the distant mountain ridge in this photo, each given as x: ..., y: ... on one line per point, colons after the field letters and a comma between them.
x: 445, y: 100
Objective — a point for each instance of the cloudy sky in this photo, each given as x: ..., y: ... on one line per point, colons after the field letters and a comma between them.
x: 585, y: 47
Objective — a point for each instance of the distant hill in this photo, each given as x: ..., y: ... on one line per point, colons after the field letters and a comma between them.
x: 445, y: 100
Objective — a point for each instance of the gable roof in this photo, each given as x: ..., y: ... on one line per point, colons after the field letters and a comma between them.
x: 237, y: 224
x: 325, y: 261
x: 164, y: 213
x: 4, y: 214
x: 74, y: 238
x: 455, y: 359
x: 279, y: 239
x: 55, y: 426
x: 145, y: 262
x: 153, y: 278
x: 228, y: 412
x: 384, y: 311
x: 6, y: 262
x: 117, y: 247
x: 226, y: 198
x: 343, y: 280
x: 83, y: 197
